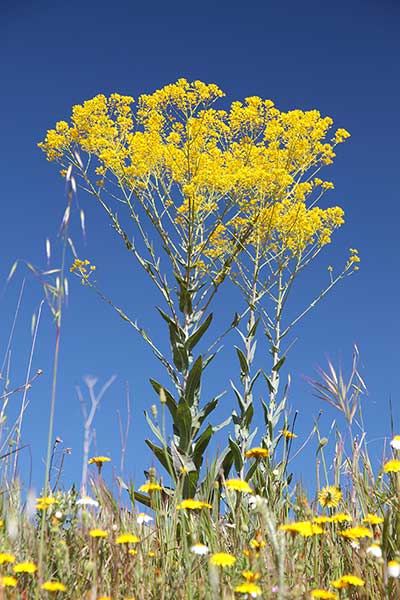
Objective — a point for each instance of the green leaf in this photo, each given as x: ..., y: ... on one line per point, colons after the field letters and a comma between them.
x: 183, y: 422
x: 244, y: 367
x: 271, y: 386
x: 248, y: 415
x: 177, y: 339
x: 193, y: 383
x: 253, y: 330
x: 163, y: 455
x: 170, y: 400
x: 279, y: 364
x: 239, y: 396
x: 251, y: 470
x: 237, y: 455
x: 190, y: 484
x: 154, y: 428
x: 185, y: 297
x: 236, y: 320
x: 201, y: 445
x: 198, y: 334
x: 142, y: 498
x: 181, y: 460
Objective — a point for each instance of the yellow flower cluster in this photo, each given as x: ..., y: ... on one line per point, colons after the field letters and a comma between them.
x: 303, y: 528
x: 217, y: 173
x: 81, y: 267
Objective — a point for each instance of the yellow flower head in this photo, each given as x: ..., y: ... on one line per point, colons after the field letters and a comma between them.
x: 330, y: 496
x: 392, y: 466
x: 53, y: 586
x: 250, y: 575
x: 322, y: 519
x: 191, y: 504
x: 239, y: 485
x: 323, y: 595
x: 355, y: 533
x: 341, y: 518
x: 222, y: 559
x: 98, y: 460
x: 25, y: 567
x: 373, y: 519
x: 8, y: 581
x: 248, y: 588
x: 127, y: 538
x: 347, y: 580
x: 303, y: 528
x: 5, y: 557
x: 288, y: 434
x: 150, y: 487
x: 45, y: 502
x: 256, y: 453
x: 257, y: 544
x: 98, y: 533
x: 341, y: 135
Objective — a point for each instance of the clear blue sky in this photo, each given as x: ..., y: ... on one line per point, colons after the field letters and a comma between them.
x: 341, y: 58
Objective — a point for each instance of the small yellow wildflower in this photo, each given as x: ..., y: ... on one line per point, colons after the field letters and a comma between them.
x: 341, y: 135
x: 251, y: 576
x: 222, y: 559
x: 53, y: 586
x: 346, y: 580
x: 322, y: 519
x: 288, y: 434
x: 303, y: 528
x: 330, y: 496
x: 256, y: 453
x: 257, y: 544
x: 1, y: 523
x: 25, y: 567
x: 45, y: 502
x: 392, y: 466
x: 355, y: 533
x: 8, y: 581
x: 239, y: 485
x: 98, y: 460
x: 248, y: 588
x: 5, y: 557
x: 127, y: 538
x: 132, y: 551
x: 150, y: 487
x: 98, y: 533
x: 373, y: 519
x: 341, y: 518
x: 191, y: 504
x: 323, y: 595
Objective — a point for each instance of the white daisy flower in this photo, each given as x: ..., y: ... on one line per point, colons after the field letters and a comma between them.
x: 375, y: 550
x: 395, y: 443
x: 142, y: 518
x: 200, y: 549
x: 393, y: 568
x: 87, y: 501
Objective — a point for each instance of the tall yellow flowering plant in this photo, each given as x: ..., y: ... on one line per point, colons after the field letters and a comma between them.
x: 224, y: 192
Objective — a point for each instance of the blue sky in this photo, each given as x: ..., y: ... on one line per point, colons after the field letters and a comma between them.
x: 341, y: 59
